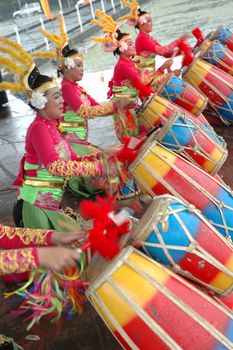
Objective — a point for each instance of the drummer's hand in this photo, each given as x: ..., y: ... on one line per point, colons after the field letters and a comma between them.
x: 57, y: 258
x: 68, y: 238
x: 167, y: 64
x: 176, y: 72
x: 125, y: 103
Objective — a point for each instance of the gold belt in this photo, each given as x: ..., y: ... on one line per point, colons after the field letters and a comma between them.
x: 73, y: 125
x: 117, y: 95
x: 39, y: 183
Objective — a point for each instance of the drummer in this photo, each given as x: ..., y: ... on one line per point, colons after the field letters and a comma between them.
x: 127, y: 82
x: 146, y: 46
x: 79, y: 106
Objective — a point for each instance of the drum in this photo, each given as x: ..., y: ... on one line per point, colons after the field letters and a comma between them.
x: 183, y: 94
x: 178, y: 235
x: 156, y: 110
x: 216, y: 54
x: 215, y: 84
x: 158, y: 170
x: 195, y: 142
x: 224, y: 35
x: 148, y: 307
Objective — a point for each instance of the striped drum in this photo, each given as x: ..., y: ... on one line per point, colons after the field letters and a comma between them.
x: 178, y: 235
x: 217, y: 54
x: 178, y: 91
x: 214, y: 84
x: 148, y: 307
x: 158, y: 170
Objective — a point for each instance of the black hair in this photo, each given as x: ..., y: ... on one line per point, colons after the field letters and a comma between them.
x: 39, y: 80
x: 119, y: 37
x: 141, y: 13
x: 66, y: 52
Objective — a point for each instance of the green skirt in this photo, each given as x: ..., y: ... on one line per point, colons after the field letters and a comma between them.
x: 37, y: 218
x: 81, y: 186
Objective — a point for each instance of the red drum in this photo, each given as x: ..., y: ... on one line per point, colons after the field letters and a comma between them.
x: 179, y: 236
x: 148, y: 307
x: 194, y: 141
x: 215, y: 84
x: 158, y: 170
x: 178, y: 91
x: 217, y: 54
x: 156, y: 109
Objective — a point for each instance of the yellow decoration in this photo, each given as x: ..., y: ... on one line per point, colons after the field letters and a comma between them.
x: 60, y: 41
x: 133, y: 5
x: 109, y: 27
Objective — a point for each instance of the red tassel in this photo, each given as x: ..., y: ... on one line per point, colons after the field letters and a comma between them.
x: 187, y: 51
x: 199, y: 35
x: 105, y: 234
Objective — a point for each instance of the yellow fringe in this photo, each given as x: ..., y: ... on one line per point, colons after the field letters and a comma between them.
x: 62, y: 28
x: 15, y: 87
x: 18, y: 57
x: 54, y: 38
x: 10, y: 66
x: 133, y: 5
x: 48, y: 54
x: 17, y: 48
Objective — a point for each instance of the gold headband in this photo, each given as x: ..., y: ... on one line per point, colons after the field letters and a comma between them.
x: 46, y: 86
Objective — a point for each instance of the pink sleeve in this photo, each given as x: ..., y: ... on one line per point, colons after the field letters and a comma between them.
x: 18, y: 260
x: 43, y: 144
x: 72, y: 97
x: 16, y: 237
x: 92, y: 100
x: 157, y: 48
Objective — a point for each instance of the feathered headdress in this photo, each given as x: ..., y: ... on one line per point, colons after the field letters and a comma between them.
x: 61, y: 44
x: 136, y: 15
x: 110, y: 41
x: 17, y: 61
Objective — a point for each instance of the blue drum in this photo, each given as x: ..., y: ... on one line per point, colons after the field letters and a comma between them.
x: 181, y: 93
x: 129, y: 190
x: 224, y: 35
x: 177, y: 235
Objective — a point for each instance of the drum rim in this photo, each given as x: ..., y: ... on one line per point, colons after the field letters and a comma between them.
x: 146, y: 221
x: 188, y: 68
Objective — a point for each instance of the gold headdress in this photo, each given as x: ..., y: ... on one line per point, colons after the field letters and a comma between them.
x: 110, y: 41
x: 61, y: 44
x: 133, y: 18
x: 17, y: 61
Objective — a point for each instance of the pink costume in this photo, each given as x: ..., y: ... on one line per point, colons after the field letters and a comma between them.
x: 74, y: 96
x: 18, y: 252
x: 48, y: 161
x: 145, y: 43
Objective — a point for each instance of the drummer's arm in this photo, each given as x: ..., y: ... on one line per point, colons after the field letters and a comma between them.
x: 135, y: 78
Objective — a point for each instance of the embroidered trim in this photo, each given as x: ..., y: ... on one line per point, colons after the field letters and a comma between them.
x: 68, y: 169
x: 17, y: 260
x: 27, y: 236
x: 92, y: 112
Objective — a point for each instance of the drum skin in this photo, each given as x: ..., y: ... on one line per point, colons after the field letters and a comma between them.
x: 177, y: 235
x: 158, y: 170
x: 214, y: 84
x: 178, y: 91
x: 148, y: 307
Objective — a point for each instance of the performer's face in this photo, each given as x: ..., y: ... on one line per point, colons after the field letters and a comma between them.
x: 146, y: 24
x: 131, y: 48
x: 54, y: 107
x: 76, y: 73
